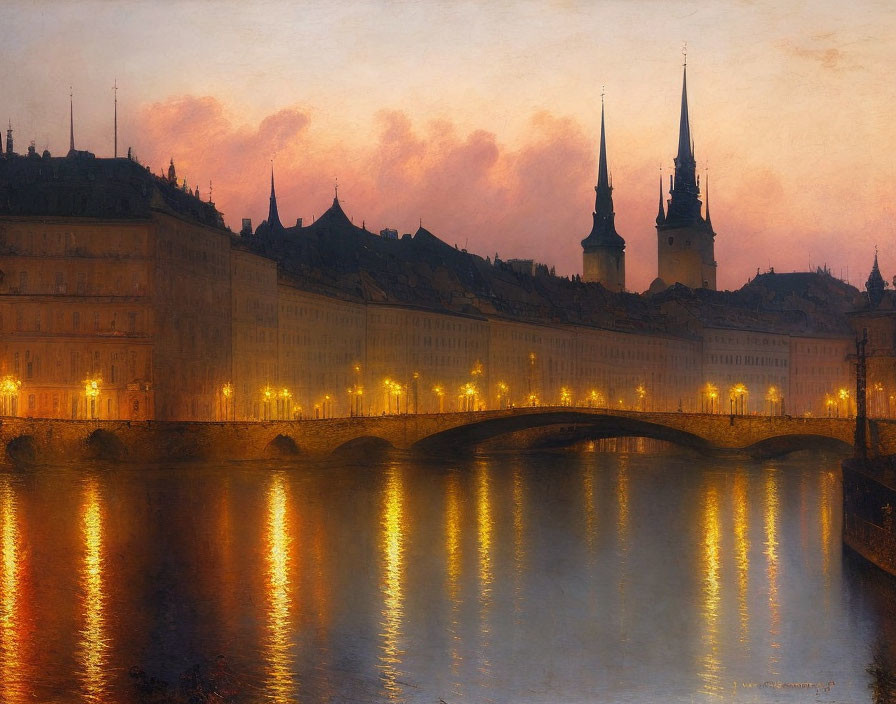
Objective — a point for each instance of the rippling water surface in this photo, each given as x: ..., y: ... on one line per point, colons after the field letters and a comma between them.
x: 566, y: 577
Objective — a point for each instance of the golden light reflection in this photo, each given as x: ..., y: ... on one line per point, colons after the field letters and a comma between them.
x: 711, y: 670
x: 742, y: 552
x: 280, y: 681
x: 94, y: 643
x: 826, y: 513
x: 622, y: 541
x: 771, y: 556
x: 588, y: 490
x: 392, y: 545
x: 486, y: 577
x: 519, y: 538
x: 11, y: 675
x: 453, y: 555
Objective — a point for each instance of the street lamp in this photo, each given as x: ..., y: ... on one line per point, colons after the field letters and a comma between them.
x: 710, y: 398
x: 440, y: 392
x: 565, y: 397
x: 91, y: 393
x: 738, y: 395
x: 843, y: 395
x: 267, y: 396
x: 9, y: 395
x: 227, y: 393
x: 642, y: 393
x: 284, y: 403
x: 773, y: 398
x: 503, y: 390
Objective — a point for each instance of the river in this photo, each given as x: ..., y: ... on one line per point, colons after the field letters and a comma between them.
x: 554, y: 577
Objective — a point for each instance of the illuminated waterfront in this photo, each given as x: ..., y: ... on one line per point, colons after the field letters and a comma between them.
x: 568, y: 576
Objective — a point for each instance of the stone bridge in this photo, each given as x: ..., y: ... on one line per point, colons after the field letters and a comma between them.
x: 46, y: 441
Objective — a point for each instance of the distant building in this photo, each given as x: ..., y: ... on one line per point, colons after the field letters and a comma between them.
x: 603, y: 259
x: 389, y: 234
x: 522, y: 266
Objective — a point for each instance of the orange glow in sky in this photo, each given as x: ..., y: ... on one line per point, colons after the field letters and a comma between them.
x: 482, y: 118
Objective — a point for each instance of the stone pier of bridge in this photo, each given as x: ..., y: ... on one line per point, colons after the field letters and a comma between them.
x: 49, y: 440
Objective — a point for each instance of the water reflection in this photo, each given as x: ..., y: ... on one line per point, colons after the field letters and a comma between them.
x: 94, y: 643
x: 11, y: 626
x: 392, y: 546
x: 742, y: 554
x: 453, y: 572
x: 486, y: 576
x: 280, y: 683
x: 519, y: 541
x: 622, y: 541
x: 711, y: 567
x: 771, y: 557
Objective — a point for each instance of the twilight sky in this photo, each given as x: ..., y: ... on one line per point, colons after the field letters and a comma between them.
x: 482, y: 118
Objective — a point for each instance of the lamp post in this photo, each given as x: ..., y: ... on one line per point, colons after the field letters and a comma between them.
x: 440, y: 393
x: 773, y: 398
x: 737, y: 395
x: 267, y: 395
x: 284, y: 403
x: 641, y: 393
x: 843, y: 396
x: 9, y: 395
x: 227, y: 394
x: 565, y: 396
x: 502, y: 394
x: 91, y: 394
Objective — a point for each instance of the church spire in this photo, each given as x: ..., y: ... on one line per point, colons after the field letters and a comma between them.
x: 708, y: 221
x: 603, y: 231
x: 273, y: 215
x: 661, y: 215
x: 685, y: 144
x: 875, y: 285
x: 604, y: 191
x: 71, y: 120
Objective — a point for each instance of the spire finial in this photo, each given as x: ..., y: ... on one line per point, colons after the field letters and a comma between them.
x: 603, y: 92
x: 684, y: 53
x: 336, y: 189
x: 706, y: 174
x: 71, y: 119
x: 210, y: 191
x: 661, y: 214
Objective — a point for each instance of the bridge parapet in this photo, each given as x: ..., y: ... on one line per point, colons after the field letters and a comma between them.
x: 57, y: 440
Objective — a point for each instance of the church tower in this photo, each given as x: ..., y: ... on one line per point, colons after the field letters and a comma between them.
x: 603, y: 259
x: 273, y: 215
x: 685, y: 240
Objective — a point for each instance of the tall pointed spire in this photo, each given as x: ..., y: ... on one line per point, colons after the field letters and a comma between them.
x: 603, y: 231
x: 71, y: 120
x: 685, y: 144
x: 273, y: 215
x: 661, y: 215
x: 875, y: 285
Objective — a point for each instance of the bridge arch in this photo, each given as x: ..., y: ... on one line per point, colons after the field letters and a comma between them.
x: 785, y: 444
x: 22, y: 450
x: 281, y: 446
x: 105, y: 445
x: 596, y: 425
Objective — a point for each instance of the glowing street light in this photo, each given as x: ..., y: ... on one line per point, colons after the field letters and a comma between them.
x: 773, y: 397
x: 9, y: 395
x: 710, y: 398
x: 641, y: 392
x: 227, y: 394
x: 843, y: 395
x: 596, y: 399
x: 503, y: 393
x: 565, y: 397
x: 91, y: 393
x: 468, y: 396
x: 737, y: 397
x: 440, y: 392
